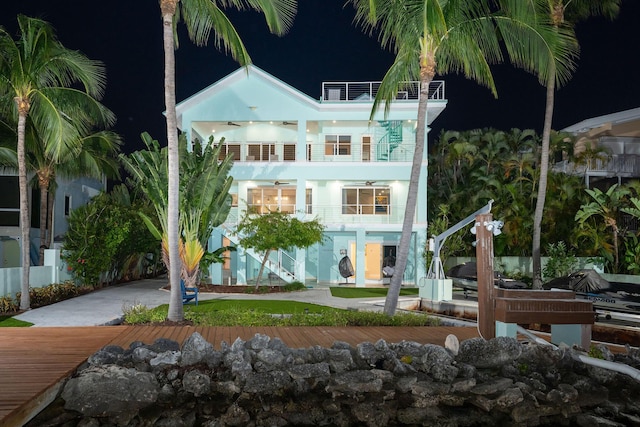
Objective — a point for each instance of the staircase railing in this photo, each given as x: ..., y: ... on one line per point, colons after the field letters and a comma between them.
x: 279, y: 262
x: 390, y: 140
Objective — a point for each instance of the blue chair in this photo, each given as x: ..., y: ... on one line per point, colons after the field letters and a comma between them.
x: 188, y: 293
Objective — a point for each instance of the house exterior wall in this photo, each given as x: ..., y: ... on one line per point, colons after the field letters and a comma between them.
x: 282, y: 141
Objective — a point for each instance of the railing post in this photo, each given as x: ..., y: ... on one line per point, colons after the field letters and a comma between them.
x: 486, y: 289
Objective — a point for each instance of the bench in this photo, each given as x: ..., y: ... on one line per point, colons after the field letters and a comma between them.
x: 189, y: 294
x: 571, y: 319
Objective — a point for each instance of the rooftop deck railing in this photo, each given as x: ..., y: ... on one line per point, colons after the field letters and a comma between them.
x: 367, y: 91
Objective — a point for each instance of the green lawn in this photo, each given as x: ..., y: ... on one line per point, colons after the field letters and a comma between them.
x: 368, y: 292
x: 10, y: 322
x: 275, y: 313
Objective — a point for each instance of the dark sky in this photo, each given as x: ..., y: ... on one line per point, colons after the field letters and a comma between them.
x: 323, y: 45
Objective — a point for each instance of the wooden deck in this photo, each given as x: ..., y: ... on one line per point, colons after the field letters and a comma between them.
x: 34, y: 361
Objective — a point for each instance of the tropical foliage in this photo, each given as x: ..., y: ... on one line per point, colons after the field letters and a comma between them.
x: 110, y: 222
x: 204, y: 196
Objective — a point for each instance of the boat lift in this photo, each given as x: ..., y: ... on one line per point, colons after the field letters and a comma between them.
x: 436, y: 270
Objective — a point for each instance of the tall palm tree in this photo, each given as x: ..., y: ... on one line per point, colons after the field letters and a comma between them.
x: 202, y: 18
x: 563, y: 14
x: 438, y: 36
x: 54, y: 86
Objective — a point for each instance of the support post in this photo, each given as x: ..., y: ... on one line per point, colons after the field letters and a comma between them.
x: 486, y: 290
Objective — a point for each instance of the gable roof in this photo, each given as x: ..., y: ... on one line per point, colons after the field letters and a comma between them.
x: 250, y: 71
x: 608, y: 119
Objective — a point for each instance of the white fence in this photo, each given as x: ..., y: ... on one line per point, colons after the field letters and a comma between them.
x: 54, y: 271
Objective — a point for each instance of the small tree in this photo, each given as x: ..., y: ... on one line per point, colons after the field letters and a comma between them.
x: 277, y: 230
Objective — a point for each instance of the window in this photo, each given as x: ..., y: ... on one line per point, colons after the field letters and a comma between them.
x: 337, y: 145
x: 308, y: 202
x: 67, y: 205
x: 263, y: 200
x: 10, y: 201
x: 229, y: 149
x: 365, y: 201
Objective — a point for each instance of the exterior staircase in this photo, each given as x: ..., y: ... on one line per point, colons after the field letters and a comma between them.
x: 390, y: 140
x: 279, y: 262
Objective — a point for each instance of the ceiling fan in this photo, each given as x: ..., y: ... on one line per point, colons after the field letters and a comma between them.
x: 232, y: 124
x: 288, y: 123
x: 280, y: 183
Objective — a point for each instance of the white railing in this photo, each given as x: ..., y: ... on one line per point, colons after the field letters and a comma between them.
x: 367, y: 91
x: 341, y: 214
x: 616, y: 164
x: 358, y: 152
x: 321, y: 152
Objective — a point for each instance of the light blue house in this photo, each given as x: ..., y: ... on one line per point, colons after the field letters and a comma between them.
x: 319, y: 158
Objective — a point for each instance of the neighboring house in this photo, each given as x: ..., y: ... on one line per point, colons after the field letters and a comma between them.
x: 69, y: 195
x: 610, y: 149
x: 316, y: 158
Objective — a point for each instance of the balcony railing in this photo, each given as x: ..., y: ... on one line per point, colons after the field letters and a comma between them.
x: 342, y: 214
x: 320, y: 152
x: 366, y: 91
x: 615, y: 165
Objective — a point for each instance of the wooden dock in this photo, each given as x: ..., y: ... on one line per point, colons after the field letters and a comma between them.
x: 34, y: 362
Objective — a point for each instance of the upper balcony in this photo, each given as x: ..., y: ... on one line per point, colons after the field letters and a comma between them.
x: 367, y: 91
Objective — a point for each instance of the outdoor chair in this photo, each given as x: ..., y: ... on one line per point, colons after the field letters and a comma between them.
x: 188, y: 293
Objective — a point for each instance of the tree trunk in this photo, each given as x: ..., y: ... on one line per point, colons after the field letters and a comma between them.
x: 391, y: 302
x: 25, y: 300
x: 264, y: 261
x: 542, y: 186
x: 176, y: 311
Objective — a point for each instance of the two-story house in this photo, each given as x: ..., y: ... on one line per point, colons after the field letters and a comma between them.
x: 321, y: 158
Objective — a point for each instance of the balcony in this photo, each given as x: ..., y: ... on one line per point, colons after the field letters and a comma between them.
x: 341, y: 214
x: 367, y: 91
x: 623, y: 165
x: 277, y: 151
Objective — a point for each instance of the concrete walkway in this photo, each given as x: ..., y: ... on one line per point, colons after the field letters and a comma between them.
x: 105, y: 306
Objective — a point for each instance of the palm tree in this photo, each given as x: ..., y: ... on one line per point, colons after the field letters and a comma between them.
x: 202, y: 18
x: 92, y: 156
x: 430, y: 36
x: 41, y: 79
x: 563, y: 14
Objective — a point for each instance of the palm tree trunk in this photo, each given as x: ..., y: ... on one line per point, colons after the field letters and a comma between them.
x: 25, y: 300
x: 542, y: 186
x: 264, y: 261
x: 391, y: 302
x: 176, y: 312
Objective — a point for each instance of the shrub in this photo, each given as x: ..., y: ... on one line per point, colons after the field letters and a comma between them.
x: 8, y: 305
x: 562, y: 261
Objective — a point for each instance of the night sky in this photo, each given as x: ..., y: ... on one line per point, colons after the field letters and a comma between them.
x: 324, y: 45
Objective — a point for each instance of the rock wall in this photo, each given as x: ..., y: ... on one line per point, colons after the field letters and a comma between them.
x: 262, y: 382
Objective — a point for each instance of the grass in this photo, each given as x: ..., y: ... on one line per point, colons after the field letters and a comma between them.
x: 368, y: 292
x: 10, y: 322
x: 274, y: 313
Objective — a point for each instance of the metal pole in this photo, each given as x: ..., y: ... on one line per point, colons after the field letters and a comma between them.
x: 486, y: 290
